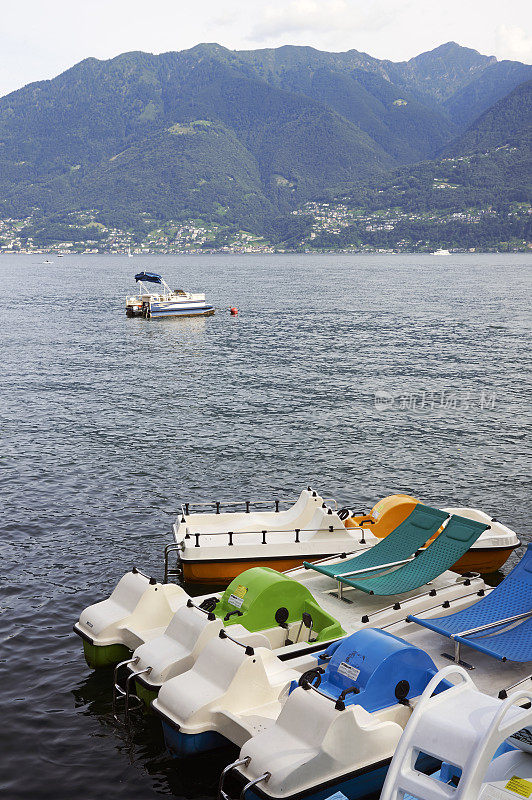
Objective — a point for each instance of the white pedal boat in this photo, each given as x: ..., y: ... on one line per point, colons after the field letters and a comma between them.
x: 213, y: 548
x: 140, y: 609
x: 339, y: 728
x: 166, y: 302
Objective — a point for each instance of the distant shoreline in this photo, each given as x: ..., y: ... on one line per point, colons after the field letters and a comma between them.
x: 525, y: 250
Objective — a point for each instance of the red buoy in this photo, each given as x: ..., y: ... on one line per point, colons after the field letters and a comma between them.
x: 233, y: 311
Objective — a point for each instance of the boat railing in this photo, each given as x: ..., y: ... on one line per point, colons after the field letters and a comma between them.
x: 247, y: 505
x: 263, y: 533
x: 178, y: 547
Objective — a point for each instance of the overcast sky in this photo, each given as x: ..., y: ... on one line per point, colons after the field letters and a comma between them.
x: 41, y: 38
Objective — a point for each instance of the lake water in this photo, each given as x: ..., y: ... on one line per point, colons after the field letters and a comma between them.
x: 361, y: 375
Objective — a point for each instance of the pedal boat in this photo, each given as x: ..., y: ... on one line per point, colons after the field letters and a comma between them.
x: 165, y: 303
x: 211, y: 698
x: 379, y: 692
x: 213, y: 548
x: 261, y: 608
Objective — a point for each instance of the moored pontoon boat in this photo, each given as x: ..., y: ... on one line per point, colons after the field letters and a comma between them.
x: 166, y: 302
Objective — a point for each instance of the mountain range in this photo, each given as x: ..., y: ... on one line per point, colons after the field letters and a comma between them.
x: 246, y: 136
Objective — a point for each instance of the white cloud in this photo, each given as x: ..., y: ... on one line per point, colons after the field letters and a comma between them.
x: 325, y: 17
x: 515, y: 42
x: 39, y: 39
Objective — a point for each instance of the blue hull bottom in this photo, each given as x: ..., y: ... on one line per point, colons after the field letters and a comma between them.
x: 358, y: 786
x: 204, y: 311
x: 354, y: 788
x: 181, y: 745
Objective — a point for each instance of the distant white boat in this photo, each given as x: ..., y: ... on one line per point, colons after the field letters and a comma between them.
x: 47, y: 261
x: 165, y: 303
x: 441, y: 252
x: 129, y: 253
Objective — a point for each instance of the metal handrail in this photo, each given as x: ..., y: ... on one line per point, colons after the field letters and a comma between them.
x: 241, y: 762
x: 217, y: 504
x: 480, y: 628
x: 129, y: 695
x: 171, y: 548
x: 118, y: 692
x: 264, y: 777
x: 329, y: 558
x: 339, y: 575
x: 263, y: 532
x: 431, y: 592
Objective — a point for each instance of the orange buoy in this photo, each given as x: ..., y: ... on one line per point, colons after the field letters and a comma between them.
x: 233, y: 311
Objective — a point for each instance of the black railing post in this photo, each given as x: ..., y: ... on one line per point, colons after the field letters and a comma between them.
x: 247, y: 506
x: 277, y: 505
x: 217, y: 506
x: 197, y: 539
x: 186, y: 509
x: 230, y: 533
x: 297, y: 535
x: 263, y: 537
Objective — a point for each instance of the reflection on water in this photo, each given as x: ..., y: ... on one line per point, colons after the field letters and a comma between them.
x: 109, y: 423
x: 141, y: 742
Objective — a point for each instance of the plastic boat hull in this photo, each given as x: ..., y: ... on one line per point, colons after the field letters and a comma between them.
x: 181, y: 745
x: 479, y: 559
x: 107, y: 656
x: 484, y: 559
x: 222, y: 572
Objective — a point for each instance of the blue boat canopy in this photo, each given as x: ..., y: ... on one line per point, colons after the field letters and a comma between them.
x: 149, y: 277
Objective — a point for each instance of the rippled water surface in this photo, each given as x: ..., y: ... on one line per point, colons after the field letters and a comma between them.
x: 108, y: 423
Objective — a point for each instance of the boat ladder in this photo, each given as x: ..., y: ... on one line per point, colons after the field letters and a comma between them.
x: 172, y: 571
x: 241, y: 762
x: 460, y: 726
x: 131, y: 701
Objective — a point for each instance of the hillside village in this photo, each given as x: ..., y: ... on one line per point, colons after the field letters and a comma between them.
x: 326, y: 222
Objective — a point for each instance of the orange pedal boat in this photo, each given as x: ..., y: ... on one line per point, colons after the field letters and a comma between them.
x: 213, y: 548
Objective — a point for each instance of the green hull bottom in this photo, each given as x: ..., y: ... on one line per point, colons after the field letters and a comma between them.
x: 146, y: 695
x: 107, y: 656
